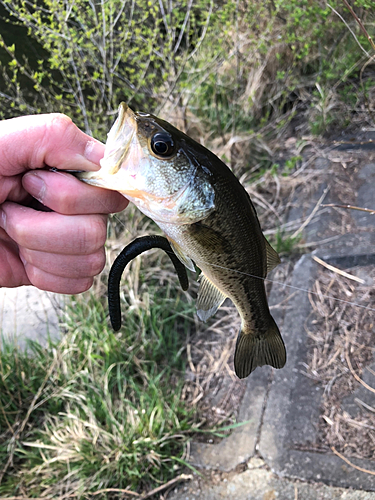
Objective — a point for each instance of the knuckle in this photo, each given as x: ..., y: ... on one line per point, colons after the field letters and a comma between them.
x: 58, y: 126
x: 62, y: 131
x: 94, y: 234
x: 19, y: 230
x: 64, y: 201
x: 96, y: 263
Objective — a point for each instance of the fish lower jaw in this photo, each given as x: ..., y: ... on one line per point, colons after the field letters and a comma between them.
x: 99, y: 182
x: 106, y: 182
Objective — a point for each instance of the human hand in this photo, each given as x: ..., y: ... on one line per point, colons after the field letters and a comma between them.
x: 59, y: 251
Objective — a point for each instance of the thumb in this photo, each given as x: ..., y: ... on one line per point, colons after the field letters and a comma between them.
x: 30, y: 142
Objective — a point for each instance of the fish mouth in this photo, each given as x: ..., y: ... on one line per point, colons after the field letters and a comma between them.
x: 119, y: 141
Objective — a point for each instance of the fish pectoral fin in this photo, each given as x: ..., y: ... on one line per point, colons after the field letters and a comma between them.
x: 273, y: 258
x: 181, y: 255
x: 209, y: 238
x: 209, y: 298
x: 253, y: 349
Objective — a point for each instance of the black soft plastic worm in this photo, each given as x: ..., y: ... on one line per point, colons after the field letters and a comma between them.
x: 129, y: 253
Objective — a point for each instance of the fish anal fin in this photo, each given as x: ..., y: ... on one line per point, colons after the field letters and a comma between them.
x: 254, y: 350
x: 181, y: 255
x: 273, y: 258
x: 209, y: 299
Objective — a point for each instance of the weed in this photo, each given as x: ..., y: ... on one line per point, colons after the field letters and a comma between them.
x: 285, y: 244
x: 291, y: 164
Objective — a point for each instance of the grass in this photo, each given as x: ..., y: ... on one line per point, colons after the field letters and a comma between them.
x: 98, y: 410
x: 285, y: 244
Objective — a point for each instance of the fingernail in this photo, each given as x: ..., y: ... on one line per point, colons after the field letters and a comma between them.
x: 34, y: 185
x: 94, y: 152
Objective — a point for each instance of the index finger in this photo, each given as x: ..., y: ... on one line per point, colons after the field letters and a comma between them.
x: 37, y: 141
x: 67, y: 195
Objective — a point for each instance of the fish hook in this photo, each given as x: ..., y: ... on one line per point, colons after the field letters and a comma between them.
x: 130, y: 252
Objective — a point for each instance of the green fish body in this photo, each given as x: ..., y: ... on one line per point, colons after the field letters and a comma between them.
x: 208, y: 218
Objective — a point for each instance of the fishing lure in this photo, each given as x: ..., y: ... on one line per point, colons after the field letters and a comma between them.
x: 130, y: 252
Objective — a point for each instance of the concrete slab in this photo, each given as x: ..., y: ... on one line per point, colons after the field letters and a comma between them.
x: 240, y: 445
x: 329, y: 221
x: 366, y: 196
x: 29, y: 313
x: 289, y: 428
x: 258, y: 483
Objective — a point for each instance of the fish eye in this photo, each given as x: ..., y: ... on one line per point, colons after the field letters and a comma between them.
x: 162, y: 144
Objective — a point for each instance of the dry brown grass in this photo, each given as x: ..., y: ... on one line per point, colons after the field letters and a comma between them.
x: 341, y: 338
x: 211, y: 383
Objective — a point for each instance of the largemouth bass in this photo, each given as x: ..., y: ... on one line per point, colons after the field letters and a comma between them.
x: 208, y: 218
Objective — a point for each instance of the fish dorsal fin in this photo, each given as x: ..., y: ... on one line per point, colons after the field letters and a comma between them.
x: 273, y: 258
x: 209, y: 298
x: 181, y: 255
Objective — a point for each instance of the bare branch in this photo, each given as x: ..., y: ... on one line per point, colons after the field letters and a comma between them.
x: 349, y: 28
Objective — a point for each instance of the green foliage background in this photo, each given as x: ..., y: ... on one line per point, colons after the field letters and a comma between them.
x: 236, y: 65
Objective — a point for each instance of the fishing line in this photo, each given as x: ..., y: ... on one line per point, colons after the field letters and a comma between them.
x: 295, y: 287
x: 306, y: 290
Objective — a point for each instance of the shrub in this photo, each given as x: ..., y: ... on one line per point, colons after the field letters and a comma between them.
x: 238, y: 66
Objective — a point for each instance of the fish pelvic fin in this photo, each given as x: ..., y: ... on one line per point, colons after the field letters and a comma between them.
x: 253, y: 349
x: 209, y: 298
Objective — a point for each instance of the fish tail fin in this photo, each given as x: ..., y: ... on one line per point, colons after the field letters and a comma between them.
x: 253, y: 349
